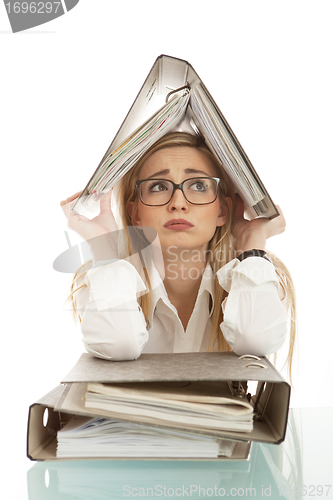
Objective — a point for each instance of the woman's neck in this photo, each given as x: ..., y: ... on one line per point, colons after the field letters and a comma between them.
x: 183, y: 275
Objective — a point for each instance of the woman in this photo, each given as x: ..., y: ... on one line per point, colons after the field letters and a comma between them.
x: 213, y: 292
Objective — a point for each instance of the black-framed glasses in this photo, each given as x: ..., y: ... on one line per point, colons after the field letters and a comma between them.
x: 197, y: 190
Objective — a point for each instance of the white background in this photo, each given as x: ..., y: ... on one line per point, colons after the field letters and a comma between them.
x: 67, y: 85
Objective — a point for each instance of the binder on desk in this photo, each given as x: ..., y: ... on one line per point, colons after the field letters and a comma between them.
x: 270, y: 403
x: 173, y: 97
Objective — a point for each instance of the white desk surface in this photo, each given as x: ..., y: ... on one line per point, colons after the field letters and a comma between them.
x: 301, y: 467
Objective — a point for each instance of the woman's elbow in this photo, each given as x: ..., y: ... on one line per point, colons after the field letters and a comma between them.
x: 261, y: 342
x: 113, y: 352
x: 110, y: 341
x: 260, y: 332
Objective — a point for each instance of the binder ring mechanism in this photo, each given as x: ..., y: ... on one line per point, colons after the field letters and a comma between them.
x: 236, y: 387
x: 252, y: 364
x: 187, y: 86
x: 258, y: 414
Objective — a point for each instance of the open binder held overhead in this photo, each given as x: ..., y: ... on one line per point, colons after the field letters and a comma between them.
x: 173, y: 97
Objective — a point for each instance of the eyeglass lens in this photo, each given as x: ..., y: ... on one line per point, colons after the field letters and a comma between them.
x: 198, y: 191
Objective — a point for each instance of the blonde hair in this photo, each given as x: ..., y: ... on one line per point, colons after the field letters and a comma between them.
x: 222, y: 243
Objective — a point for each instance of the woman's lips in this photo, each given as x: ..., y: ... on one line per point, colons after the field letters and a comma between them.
x: 178, y: 224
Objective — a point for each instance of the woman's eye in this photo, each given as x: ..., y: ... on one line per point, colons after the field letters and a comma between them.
x: 157, y: 187
x: 198, y: 186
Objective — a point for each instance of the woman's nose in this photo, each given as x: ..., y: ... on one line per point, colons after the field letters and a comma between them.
x: 178, y: 201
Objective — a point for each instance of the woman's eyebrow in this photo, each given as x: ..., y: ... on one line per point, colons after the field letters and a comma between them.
x: 194, y: 171
x: 186, y: 171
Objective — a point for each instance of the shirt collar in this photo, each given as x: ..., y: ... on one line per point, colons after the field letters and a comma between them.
x: 158, y: 291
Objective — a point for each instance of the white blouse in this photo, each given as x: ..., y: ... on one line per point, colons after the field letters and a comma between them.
x: 114, y: 327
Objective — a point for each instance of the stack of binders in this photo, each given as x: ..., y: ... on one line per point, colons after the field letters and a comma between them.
x: 142, y: 409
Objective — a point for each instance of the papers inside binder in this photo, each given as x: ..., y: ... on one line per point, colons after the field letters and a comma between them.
x: 199, y: 406
x: 98, y: 437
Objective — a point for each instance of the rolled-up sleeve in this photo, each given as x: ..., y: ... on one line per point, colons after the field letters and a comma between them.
x: 254, y: 318
x: 112, y: 323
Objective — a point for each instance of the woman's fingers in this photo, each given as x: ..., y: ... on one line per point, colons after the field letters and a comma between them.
x: 69, y: 203
x: 277, y: 225
x: 105, y: 203
x: 88, y: 229
x: 239, y: 207
x: 67, y: 207
x: 70, y: 198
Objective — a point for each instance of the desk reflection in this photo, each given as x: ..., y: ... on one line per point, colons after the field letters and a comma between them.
x: 272, y: 471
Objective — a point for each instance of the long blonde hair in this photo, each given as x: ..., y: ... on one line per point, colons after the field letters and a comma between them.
x: 221, y: 248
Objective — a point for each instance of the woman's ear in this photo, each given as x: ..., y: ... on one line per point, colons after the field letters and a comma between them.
x: 133, y: 212
x: 225, y: 211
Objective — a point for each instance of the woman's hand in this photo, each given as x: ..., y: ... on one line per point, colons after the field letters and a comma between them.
x: 103, y: 223
x: 251, y: 234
